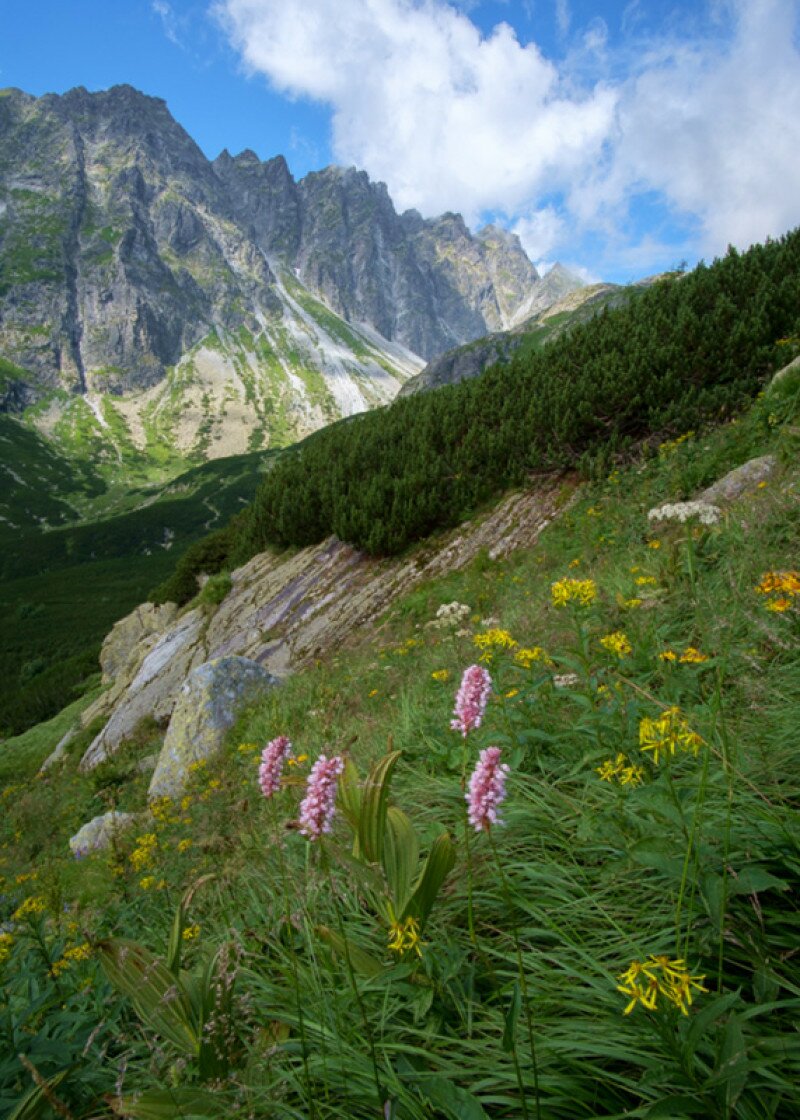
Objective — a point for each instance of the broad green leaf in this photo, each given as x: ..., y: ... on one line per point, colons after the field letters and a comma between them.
x: 374, y: 803
x: 350, y: 794
x: 156, y: 994
x: 512, y: 1015
x: 752, y: 879
x: 437, y: 867
x: 35, y: 1104
x: 732, y: 1067
x: 706, y: 1014
x: 400, y: 855
x: 363, y: 963
x: 169, y: 1104
x: 455, y: 1102
x: 175, y: 946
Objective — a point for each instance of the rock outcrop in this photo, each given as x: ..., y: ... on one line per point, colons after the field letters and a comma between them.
x: 283, y: 611
x: 209, y: 702
x: 100, y: 832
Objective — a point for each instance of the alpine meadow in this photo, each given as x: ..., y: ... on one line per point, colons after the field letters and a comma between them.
x: 400, y: 677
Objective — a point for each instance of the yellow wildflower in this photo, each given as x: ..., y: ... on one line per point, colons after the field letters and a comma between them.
x: 247, y: 748
x: 617, y: 643
x: 148, y: 882
x: 654, y: 544
x: 161, y: 808
x: 576, y: 563
x: 199, y: 764
x: 76, y: 953
x: 631, y: 604
x: 441, y: 674
x: 779, y: 605
x: 512, y: 693
x: 527, y: 656
x: 621, y: 769
x: 404, y: 937
x: 666, y: 734
x: 644, y: 981
x: 30, y: 908
x: 6, y: 942
x: 373, y: 693
x: 25, y: 877
x: 491, y: 640
x: 191, y: 932
x: 692, y: 656
x: 668, y: 655
x: 298, y: 760
x: 646, y: 581
x: 579, y: 591
x: 184, y: 845
x: 143, y: 854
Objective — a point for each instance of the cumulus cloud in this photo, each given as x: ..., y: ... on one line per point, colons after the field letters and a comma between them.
x: 452, y: 119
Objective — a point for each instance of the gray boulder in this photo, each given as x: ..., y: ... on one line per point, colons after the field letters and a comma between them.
x: 208, y: 705
x: 741, y: 479
x: 98, y: 833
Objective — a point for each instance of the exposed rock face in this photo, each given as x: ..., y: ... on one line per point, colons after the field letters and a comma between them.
x: 146, y: 620
x: 122, y: 246
x: 157, y: 669
x: 284, y: 611
x: 99, y: 833
x: 210, y: 700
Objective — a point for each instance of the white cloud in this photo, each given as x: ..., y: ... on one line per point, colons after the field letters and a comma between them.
x: 454, y: 120
x: 169, y: 21
x: 447, y: 118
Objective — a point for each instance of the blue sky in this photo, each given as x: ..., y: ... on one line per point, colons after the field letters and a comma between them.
x: 619, y: 136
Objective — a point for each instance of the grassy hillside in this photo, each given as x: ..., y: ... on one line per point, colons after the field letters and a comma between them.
x: 61, y: 591
x: 650, y: 830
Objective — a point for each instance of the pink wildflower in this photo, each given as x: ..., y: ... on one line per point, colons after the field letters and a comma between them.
x: 317, y: 807
x: 476, y: 684
x: 273, y: 758
x: 487, y: 789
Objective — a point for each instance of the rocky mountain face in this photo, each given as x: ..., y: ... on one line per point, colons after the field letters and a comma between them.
x: 147, y: 293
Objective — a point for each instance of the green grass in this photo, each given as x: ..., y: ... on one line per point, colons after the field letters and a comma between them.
x: 513, y: 1007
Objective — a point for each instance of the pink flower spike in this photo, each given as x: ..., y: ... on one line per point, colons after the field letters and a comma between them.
x: 487, y: 790
x: 318, y: 805
x: 273, y: 759
x: 471, y: 699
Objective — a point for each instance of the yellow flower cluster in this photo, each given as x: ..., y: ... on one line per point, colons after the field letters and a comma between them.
x: 407, y: 646
x: 150, y: 881
x: 617, y: 643
x: 30, y: 908
x: 71, y: 956
x: 144, y: 852
x: 160, y: 809
x: 404, y: 937
x: 646, y: 581
x: 670, y: 445
x: 782, y: 589
x: 298, y: 760
x: 191, y: 932
x: 644, y: 981
x: 6, y: 941
x: 441, y: 674
x: 528, y: 656
x: 690, y: 656
x: 621, y: 770
x: 580, y: 591
x: 667, y: 734
x: 247, y: 748
x: 491, y: 640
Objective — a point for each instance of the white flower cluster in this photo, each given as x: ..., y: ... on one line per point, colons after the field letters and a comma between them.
x: 450, y: 614
x: 684, y: 511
